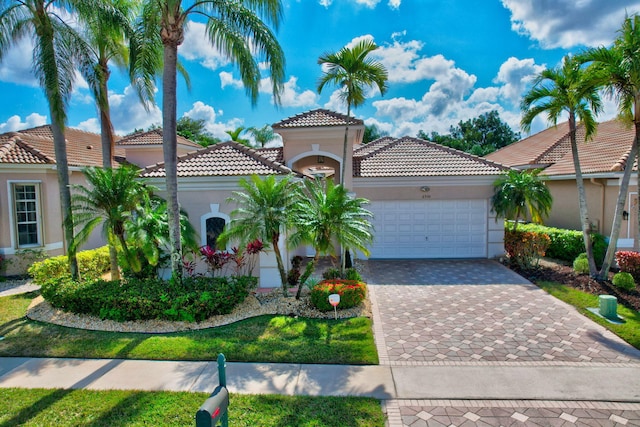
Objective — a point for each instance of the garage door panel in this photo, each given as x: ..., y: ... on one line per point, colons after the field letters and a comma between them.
x: 429, y: 229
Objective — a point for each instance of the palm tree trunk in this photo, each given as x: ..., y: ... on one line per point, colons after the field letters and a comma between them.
x: 308, y: 271
x: 283, y: 274
x: 617, y: 217
x: 170, y: 149
x: 106, y: 127
x: 582, y: 199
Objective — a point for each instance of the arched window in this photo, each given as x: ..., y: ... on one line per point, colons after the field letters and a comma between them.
x: 214, y: 227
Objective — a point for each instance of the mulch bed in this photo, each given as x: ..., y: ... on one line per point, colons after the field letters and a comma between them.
x: 551, y: 271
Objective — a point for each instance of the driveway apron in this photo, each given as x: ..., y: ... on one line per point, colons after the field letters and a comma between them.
x: 478, y: 313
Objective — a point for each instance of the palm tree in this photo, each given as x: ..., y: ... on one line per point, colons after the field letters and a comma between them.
x: 234, y: 134
x: 111, y: 199
x: 619, y: 70
x: 567, y: 89
x: 518, y: 194
x: 262, y: 135
x: 353, y: 71
x: 264, y: 212
x: 239, y: 30
x: 324, y: 215
x: 58, y: 48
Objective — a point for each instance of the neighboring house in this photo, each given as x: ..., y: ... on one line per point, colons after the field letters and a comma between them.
x: 30, y: 214
x: 602, y: 160
x: 429, y: 201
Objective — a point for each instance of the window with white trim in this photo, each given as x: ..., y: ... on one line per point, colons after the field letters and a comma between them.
x: 215, y: 225
x: 26, y: 205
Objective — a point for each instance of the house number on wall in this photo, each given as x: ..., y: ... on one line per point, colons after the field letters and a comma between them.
x: 426, y: 196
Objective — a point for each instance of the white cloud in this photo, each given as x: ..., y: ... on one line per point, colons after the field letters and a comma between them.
x: 15, y: 123
x: 15, y: 66
x: 514, y: 76
x: 484, y: 94
x: 197, y: 47
x: 128, y: 113
x: 291, y: 95
x: 90, y: 125
x: 202, y: 111
x: 227, y: 79
x: 568, y: 23
x: 394, y: 4
x: 368, y: 3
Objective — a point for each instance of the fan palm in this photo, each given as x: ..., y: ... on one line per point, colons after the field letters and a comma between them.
x: 518, y: 194
x: 111, y: 199
x: 262, y: 135
x: 325, y: 215
x: 58, y: 48
x: 353, y: 70
x: 567, y: 89
x: 264, y: 212
x: 240, y: 31
x: 619, y: 70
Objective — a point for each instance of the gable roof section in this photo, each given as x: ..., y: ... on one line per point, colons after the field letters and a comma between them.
x: 406, y: 157
x: 35, y: 146
x: 275, y: 154
x: 607, y: 151
x: 153, y: 137
x: 316, y: 118
x: 224, y: 159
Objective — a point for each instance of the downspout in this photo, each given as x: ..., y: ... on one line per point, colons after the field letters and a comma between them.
x: 601, y: 185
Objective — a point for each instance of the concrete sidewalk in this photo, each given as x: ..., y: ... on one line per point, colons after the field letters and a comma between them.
x: 447, y: 381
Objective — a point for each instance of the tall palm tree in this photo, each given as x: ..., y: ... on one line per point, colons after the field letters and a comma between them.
x: 264, y: 212
x: 619, y: 70
x: 234, y: 134
x: 58, y: 49
x: 111, y: 198
x: 353, y: 71
x: 324, y: 215
x: 518, y: 194
x: 240, y: 31
x: 262, y: 135
x: 567, y: 89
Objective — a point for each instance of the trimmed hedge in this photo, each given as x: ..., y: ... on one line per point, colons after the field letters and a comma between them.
x: 568, y: 244
x: 92, y: 264
x: 197, y: 299
x: 624, y: 281
x: 525, y: 248
x: 581, y: 264
x: 352, y: 293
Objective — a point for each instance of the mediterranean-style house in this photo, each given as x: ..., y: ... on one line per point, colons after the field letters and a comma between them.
x: 428, y: 201
x: 603, y: 160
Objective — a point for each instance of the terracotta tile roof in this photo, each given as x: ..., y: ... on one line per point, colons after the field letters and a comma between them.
x: 275, y: 154
x: 35, y: 146
x: 224, y: 159
x: 372, y: 146
x: 607, y: 151
x: 415, y: 157
x: 316, y: 118
x: 153, y: 137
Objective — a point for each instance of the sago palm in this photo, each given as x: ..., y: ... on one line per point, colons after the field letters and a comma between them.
x: 567, y: 89
x: 58, y: 50
x: 240, y: 31
x: 325, y: 215
x: 619, y: 71
x: 521, y: 194
x: 111, y: 197
x: 263, y: 212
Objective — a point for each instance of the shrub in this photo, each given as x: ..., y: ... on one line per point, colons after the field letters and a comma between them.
x: 629, y: 262
x: 624, y: 281
x: 568, y: 244
x: 351, y: 292
x: 349, y: 274
x: 331, y: 273
x: 197, y: 299
x: 92, y: 264
x: 525, y: 248
x: 581, y: 264
x: 352, y: 274
x: 293, y: 275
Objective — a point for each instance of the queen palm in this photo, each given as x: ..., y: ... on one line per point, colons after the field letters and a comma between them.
x: 262, y: 135
x: 111, y: 198
x: 325, y: 215
x: 619, y: 71
x: 567, y: 89
x: 521, y: 194
x: 58, y: 48
x: 264, y: 212
x: 240, y: 31
x: 354, y: 71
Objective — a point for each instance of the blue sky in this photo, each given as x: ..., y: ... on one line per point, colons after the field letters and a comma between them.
x: 447, y: 60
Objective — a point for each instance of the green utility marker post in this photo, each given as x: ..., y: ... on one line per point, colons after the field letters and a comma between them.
x: 215, y: 408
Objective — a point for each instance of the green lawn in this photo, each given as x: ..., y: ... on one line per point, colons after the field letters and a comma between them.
x: 43, y: 407
x: 629, y: 331
x: 279, y: 339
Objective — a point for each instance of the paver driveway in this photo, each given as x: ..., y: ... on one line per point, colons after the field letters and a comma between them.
x: 479, y: 313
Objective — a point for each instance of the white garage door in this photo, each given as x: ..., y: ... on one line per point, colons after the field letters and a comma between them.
x: 430, y: 229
